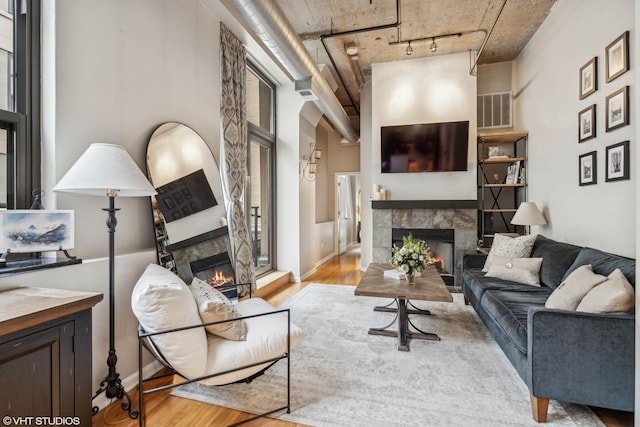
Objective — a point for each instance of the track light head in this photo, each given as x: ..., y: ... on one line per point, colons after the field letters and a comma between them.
x: 434, y: 46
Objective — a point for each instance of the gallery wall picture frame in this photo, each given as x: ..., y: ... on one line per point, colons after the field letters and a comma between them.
x: 587, y: 123
x: 617, y: 109
x: 617, y: 162
x: 587, y: 168
x: 589, y: 78
x: 616, y: 57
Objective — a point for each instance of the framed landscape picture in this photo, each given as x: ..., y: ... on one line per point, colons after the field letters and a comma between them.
x: 35, y: 230
x: 587, y: 169
x: 617, y: 106
x: 589, y: 78
x: 587, y: 123
x: 616, y: 56
x: 617, y: 162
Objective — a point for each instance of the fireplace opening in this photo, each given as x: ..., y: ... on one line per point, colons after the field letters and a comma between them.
x: 441, y: 242
x: 217, y: 271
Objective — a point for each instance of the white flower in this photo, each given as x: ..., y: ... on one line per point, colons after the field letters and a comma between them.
x: 404, y: 268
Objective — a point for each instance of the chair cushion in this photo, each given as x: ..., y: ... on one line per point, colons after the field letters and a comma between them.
x: 161, y: 301
x: 213, y: 306
x: 266, y: 338
x: 568, y: 295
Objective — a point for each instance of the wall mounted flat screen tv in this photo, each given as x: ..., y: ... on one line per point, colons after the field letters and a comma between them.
x: 428, y: 147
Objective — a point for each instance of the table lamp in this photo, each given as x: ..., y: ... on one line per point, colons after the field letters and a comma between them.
x: 108, y: 170
x: 528, y: 214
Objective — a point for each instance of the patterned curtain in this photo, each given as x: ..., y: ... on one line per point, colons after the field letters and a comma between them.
x: 234, y: 151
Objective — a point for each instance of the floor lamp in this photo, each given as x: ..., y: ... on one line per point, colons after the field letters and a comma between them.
x: 108, y: 170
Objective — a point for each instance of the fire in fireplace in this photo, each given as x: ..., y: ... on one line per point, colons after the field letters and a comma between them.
x: 217, y: 271
x: 442, y: 245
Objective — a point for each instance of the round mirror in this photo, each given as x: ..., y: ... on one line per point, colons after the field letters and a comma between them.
x: 183, y: 170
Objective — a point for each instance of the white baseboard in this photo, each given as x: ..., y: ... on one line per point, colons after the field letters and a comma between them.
x: 129, y: 383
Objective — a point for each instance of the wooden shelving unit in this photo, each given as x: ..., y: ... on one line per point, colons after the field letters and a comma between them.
x: 165, y: 257
x: 498, y: 199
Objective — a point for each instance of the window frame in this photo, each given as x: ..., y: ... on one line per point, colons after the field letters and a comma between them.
x: 24, y: 163
x: 260, y: 135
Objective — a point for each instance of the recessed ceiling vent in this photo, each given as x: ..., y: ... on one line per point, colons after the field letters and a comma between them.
x: 494, y: 110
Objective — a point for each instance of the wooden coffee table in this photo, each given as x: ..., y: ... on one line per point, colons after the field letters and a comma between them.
x: 428, y: 287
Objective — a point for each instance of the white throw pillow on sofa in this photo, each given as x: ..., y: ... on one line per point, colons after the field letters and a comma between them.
x: 213, y: 306
x: 521, y: 270
x: 570, y: 292
x: 161, y: 301
x: 616, y: 295
x: 513, y: 247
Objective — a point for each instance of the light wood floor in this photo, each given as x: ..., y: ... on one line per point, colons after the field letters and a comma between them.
x: 162, y: 409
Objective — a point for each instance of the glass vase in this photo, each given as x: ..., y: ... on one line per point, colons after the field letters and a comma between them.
x: 411, y: 279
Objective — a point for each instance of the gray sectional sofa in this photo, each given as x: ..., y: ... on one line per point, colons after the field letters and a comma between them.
x: 571, y: 356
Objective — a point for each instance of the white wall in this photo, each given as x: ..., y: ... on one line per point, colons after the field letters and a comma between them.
x: 113, y: 71
x: 426, y: 90
x: 547, y: 104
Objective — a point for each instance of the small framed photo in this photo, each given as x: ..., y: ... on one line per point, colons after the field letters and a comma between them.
x: 587, y: 168
x: 616, y: 57
x: 617, y: 166
x: 587, y: 123
x: 617, y: 105
x: 589, y: 78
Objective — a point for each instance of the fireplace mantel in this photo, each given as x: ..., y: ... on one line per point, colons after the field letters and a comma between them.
x: 424, y: 204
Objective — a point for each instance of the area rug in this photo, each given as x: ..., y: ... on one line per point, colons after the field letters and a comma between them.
x: 341, y: 376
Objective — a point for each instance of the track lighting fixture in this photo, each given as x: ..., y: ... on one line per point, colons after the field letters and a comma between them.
x: 409, y: 50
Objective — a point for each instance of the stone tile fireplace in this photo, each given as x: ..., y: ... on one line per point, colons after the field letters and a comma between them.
x: 441, y: 221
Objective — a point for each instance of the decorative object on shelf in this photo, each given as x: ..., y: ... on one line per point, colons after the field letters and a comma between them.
x: 617, y: 105
x: 587, y: 168
x: 108, y: 170
x: 616, y: 57
x: 37, y: 194
x: 496, y: 153
x: 496, y: 178
x: 413, y: 257
x: 587, y: 123
x: 589, y: 78
x: 617, y: 162
x: 310, y: 162
x: 513, y: 173
x: 528, y: 214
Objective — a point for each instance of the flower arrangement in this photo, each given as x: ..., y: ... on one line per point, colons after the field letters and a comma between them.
x: 412, y: 257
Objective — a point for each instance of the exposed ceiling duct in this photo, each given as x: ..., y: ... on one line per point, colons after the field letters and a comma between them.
x: 274, y: 29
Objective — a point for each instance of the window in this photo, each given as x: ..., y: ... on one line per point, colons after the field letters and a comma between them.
x: 19, y: 102
x: 261, y: 161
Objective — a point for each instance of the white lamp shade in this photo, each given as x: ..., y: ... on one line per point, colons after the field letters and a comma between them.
x: 528, y: 214
x: 103, y: 169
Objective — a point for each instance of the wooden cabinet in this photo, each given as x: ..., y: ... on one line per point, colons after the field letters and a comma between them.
x: 502, y: 183
x: 45, y: 354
